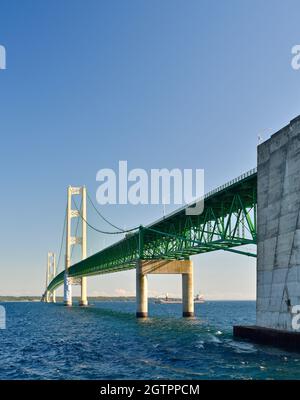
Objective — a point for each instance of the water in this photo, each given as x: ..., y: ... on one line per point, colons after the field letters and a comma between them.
x: 106, y: 341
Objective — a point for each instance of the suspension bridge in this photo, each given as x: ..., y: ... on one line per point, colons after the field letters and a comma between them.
x: 227, y: 223
x: 261, y: 207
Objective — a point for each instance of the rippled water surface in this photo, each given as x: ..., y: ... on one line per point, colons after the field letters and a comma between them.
x: 106, y: 341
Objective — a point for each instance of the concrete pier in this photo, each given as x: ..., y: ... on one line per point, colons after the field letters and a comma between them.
x: 187, y: 295
x: 83, y: 297
x: 67, y: 291
x: 47, y: 297
x: 269, y: 336
x: 141, y: 291
x: 278, y: 230
x: 183, y: 267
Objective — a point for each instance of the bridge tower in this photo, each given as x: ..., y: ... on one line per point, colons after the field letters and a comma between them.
x: 50, y: 274
x: 73, y: 240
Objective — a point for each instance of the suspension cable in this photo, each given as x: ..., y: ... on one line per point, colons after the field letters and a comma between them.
x: 99, y: 230
x: 107, y: 221
x: 62, y: 239
x: 102, y: 216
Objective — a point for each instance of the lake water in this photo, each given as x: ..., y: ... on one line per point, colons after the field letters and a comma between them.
x: 106, y: 341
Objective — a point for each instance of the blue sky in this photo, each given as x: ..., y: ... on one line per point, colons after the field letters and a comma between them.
x: 174, y: 84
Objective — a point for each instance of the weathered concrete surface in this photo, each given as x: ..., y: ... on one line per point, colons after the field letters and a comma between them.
x: 278, y: 228
x: 269, y: 336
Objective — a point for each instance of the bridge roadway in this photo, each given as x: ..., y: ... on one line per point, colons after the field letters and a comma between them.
x: 227, y: 221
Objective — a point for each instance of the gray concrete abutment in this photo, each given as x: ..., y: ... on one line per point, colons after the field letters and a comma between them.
x: 278, y: 233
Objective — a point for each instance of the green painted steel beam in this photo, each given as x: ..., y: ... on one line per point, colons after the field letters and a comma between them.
x: 244, y: 253
x: 228, y: 221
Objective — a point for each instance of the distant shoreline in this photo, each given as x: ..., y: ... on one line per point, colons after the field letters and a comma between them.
x: 60, y: 299
x: 9, y: 299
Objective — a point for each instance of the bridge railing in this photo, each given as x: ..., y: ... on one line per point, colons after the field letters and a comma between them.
x: 212, y: 192
x: 230, y: 183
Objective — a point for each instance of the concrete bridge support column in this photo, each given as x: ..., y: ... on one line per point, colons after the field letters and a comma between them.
x: 83, y: 299
x: 47, y: 297
x: 141, y: 291
x: 183, y: 267
x: 188, y: 294
x: 67, y: 291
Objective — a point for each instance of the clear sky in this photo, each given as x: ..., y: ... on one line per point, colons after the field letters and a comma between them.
x: 174, y: 84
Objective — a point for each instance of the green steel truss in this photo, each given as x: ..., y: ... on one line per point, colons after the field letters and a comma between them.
x: 228, y: 221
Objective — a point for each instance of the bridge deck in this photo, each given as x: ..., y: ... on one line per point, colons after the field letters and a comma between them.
x: 227, y: 221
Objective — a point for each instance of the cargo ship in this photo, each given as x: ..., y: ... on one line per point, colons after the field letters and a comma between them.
x: 168, y: 300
